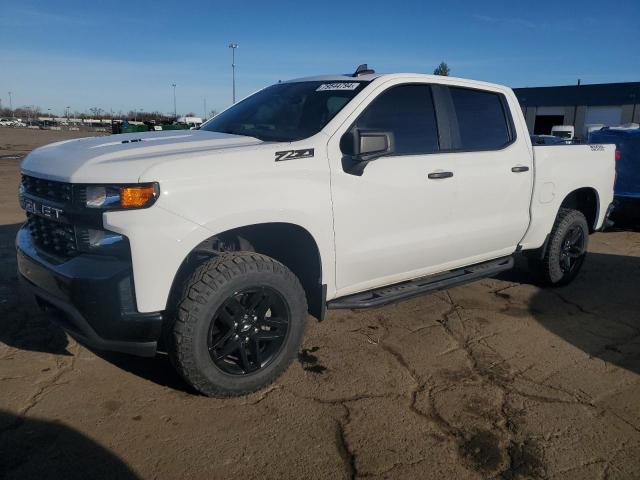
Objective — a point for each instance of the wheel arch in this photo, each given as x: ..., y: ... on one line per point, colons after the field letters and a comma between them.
x: 290, y: 244
x: 587, y: 201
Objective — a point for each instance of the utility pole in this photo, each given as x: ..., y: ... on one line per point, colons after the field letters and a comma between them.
x: 205, y: 109
x: 233, y: 47
x: 175, y: 111
x: 10, y: 103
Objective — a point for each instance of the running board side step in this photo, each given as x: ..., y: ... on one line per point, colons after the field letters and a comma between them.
x: 411, y: 288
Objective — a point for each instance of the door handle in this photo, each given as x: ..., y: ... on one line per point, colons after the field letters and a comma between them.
x: 437, y: 175
x: 519, y: 169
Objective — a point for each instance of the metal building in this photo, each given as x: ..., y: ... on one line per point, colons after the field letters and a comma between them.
x: 580, y: 106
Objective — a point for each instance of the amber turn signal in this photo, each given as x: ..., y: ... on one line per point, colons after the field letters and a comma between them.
x: 138, y: 196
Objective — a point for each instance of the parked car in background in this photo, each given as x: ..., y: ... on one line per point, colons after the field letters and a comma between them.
x: 566, y: 132
x: 12, y: 122
x: 546, y: 140
x: 192, y: 122
x: 627, y: 187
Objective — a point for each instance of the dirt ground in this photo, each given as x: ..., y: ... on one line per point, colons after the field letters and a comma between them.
x: 496, y: 379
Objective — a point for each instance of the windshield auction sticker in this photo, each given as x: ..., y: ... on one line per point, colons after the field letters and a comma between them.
x: 337, y: 86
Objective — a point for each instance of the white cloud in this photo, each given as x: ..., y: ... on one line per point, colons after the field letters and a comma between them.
x: 21, y: 18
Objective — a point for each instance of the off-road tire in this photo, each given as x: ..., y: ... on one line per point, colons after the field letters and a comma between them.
x: 208, y: 287
x: 548, y: 269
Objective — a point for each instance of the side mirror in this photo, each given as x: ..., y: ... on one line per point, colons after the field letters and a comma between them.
x: 374, y: 144
x: 360, y: 147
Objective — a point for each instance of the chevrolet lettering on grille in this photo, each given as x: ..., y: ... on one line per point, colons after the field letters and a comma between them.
x: 41, y: 208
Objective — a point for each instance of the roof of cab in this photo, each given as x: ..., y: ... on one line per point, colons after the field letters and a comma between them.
x: 336, y: 78
x: 391, y: 76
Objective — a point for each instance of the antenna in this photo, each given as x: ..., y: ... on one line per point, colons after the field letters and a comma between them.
x: 363, y: 70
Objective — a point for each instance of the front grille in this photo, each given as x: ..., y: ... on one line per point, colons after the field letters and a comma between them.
x: 47, y: 189
x: 52, y: 237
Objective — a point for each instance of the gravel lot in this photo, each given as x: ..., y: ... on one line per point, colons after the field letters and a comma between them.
x: 496, y: 379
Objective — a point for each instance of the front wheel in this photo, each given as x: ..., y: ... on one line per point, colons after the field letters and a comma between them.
x: 239, y: 323
x: 566, y: 249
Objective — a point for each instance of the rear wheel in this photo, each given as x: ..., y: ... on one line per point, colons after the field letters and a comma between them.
x: 239, y: 324
x: 566, y: 249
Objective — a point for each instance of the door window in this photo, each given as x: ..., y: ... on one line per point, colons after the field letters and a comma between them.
x: 482, y: 124
x: 407, y: 112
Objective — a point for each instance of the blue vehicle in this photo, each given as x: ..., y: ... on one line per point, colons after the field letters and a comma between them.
x: 627, y: 187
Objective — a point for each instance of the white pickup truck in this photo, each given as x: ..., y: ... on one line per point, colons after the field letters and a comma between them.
x: 344, y: 191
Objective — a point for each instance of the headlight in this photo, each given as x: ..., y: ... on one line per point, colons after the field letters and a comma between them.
x: 140, y: 195
x: 99, y: 196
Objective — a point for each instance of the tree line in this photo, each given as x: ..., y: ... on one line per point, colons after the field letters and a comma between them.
x: 33, y: 111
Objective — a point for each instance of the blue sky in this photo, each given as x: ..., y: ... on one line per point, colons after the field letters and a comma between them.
x: 123, y: 55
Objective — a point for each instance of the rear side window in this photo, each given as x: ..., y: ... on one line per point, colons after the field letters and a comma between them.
x: 481, y: 119
x: 406, y: 111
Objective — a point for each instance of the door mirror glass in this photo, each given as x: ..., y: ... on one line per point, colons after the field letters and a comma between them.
x: 374, y: 144
x: 366, y: 145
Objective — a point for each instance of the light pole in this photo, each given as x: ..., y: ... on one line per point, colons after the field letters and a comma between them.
x: 68, y: 114
x: 205, y: 109
x: 10, y: 104
x: 175, y: 111
x: 233, y: 47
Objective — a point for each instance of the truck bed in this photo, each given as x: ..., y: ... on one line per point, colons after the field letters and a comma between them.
x: 560, y: 170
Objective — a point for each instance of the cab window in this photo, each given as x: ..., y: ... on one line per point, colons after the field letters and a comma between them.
x: 481, y: 120
x: 407, y: 112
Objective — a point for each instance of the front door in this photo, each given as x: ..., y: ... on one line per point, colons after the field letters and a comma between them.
x: 393, y: 221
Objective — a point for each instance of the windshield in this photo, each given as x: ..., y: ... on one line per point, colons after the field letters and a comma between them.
x: 286, y: 111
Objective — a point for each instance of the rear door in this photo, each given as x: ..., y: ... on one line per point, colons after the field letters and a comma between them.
x: 493, y: 171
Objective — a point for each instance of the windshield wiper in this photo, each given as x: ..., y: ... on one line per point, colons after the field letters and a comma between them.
x: 235, y: 132
x: 272, y: 138
x: 259, y: 136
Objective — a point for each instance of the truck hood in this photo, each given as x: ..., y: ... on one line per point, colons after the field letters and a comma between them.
x: 122, y: 158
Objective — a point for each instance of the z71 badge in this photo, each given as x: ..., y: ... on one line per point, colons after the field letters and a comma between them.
x: 294, y: 154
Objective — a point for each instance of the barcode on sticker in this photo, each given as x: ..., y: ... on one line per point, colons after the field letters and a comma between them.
x: 337, y: 86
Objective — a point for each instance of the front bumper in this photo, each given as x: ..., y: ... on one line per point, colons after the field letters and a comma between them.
x: 96, y: 295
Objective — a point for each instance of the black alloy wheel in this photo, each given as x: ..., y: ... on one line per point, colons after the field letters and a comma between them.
x: 248, y: 330
x: 560, y: 260
x: 238, y: 323
x: 572, y: 249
